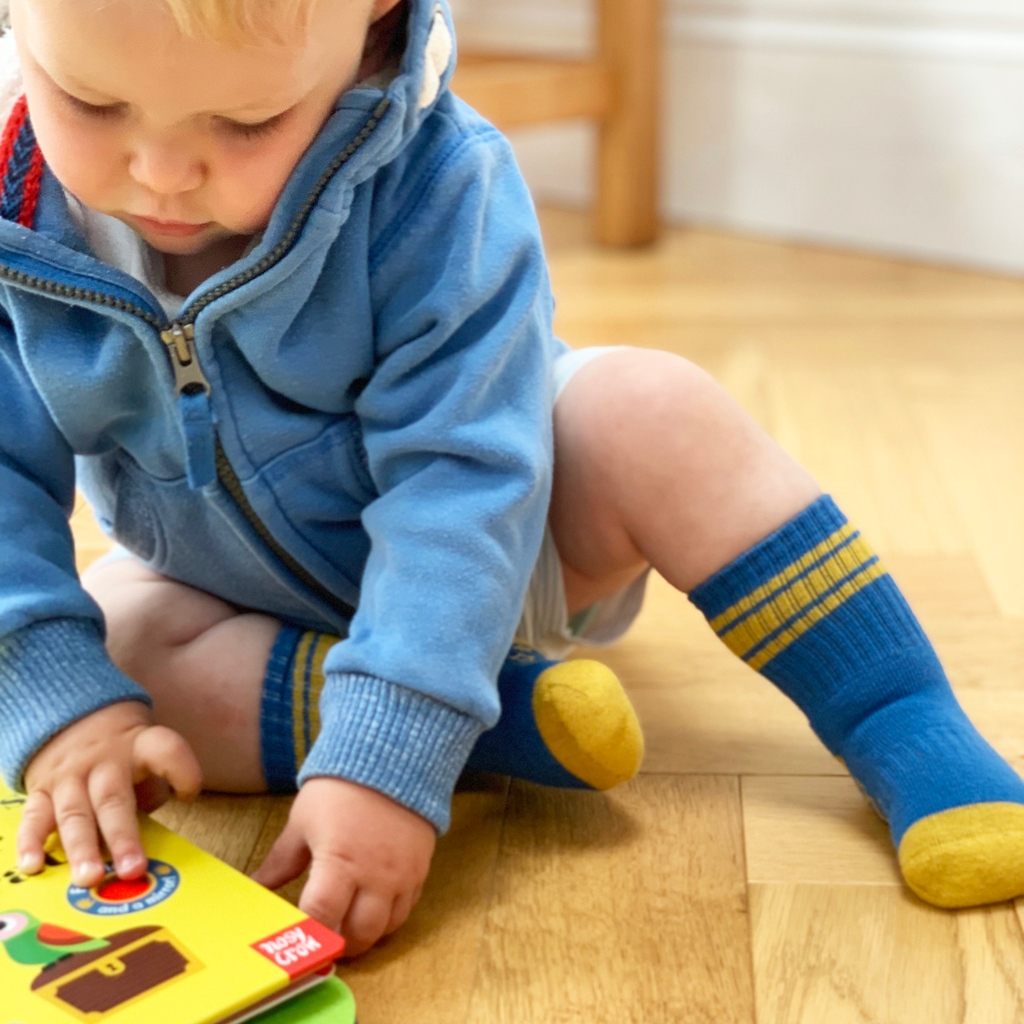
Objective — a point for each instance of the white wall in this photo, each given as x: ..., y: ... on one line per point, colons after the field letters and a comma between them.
x: 889, y: 125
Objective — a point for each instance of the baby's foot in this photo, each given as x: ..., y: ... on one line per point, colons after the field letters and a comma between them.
x: 812, y: 608
x: 954, y: 806
x: 567, y: 724
x: 967, y: 856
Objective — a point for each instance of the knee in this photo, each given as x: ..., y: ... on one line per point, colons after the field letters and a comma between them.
x: 664, y: 385
x: 642, y: 393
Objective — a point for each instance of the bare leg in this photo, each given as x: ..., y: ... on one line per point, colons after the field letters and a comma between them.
x: 200, y: 659
x: 656, y: 464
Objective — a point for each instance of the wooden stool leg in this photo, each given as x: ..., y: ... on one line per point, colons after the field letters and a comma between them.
x: 627, y: 186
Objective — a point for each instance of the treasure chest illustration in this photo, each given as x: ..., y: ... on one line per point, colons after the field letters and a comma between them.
x: 89, y: 977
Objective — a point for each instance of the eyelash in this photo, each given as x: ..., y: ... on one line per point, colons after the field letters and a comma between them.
x: 240, y: 128
x: 253, y: 131
x: 91, y: 109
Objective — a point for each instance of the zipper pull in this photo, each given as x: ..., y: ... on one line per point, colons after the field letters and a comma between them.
x: 194, y: 403
x: 188, y: 374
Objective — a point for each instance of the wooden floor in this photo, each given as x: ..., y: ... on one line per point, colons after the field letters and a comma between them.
x: 741, y: 878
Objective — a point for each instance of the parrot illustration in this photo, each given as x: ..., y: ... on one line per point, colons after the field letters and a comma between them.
x: 29, y: 941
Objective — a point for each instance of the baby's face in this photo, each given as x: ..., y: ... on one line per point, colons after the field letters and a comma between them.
x: 188, y: 141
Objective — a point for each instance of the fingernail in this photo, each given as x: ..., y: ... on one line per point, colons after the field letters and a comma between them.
x: 130, y: 864
x: 30, y: 863
x: 87, y: 873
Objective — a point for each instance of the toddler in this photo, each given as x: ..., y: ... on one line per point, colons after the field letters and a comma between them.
x: 276, y: 300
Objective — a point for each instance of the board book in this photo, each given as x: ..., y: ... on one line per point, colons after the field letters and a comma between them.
x: 191, y: 942
x: 329, y: 1003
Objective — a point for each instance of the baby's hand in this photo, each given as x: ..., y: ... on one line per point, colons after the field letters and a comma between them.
x: 85, y: 783
x: 370, y: 858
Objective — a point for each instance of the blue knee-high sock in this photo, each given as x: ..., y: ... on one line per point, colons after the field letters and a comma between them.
x: 812, y: 609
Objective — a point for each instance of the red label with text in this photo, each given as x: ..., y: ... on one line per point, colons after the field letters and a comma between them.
x: 301, y: 947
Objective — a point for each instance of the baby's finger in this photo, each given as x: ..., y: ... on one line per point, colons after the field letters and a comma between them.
x: 37, y: 822
x: 287, y: 859
x: 328, y: 893
x: 366, y: 921
x: 400, y: 911
x: 113, y: 801
x: 166, y: 754
x: 77, y: 827
x: 152, y: 793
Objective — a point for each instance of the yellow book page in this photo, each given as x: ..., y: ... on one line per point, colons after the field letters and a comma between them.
x: 175, y: 948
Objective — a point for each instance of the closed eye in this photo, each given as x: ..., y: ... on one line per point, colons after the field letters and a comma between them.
x: 254, y: 130
x: 94, y: 109
x: 243, y: 129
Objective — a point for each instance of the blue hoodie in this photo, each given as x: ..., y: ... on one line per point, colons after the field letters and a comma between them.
x: 350, y: 427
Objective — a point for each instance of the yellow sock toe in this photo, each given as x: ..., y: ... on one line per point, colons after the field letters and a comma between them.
x: 588, y: 723
x: 967, y: 856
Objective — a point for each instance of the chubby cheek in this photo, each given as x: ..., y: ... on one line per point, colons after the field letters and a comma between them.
x: 239, y: 203
x: 85, y: 163
x: 244, y: 184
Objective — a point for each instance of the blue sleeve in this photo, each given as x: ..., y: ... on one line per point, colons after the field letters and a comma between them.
x: 457, y: 430
x: 54, y: 668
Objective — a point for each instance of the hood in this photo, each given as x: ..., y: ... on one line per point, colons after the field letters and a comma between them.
x: 427, y: 61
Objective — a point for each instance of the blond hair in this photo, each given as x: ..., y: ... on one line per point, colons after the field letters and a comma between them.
x: 239, y: 21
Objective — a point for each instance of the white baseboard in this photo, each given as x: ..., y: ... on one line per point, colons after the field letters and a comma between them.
x: 926, y: 28
x: 848, y: 35
x: 899, y: 130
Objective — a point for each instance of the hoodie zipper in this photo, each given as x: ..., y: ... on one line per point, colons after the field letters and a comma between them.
x: 194, y: 407
x: 206, y: 459
x: 192, y: 385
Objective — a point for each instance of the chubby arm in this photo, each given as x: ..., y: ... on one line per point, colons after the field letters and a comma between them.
x: 74, y: 731
x: 457, y: 433
x: 54, y: 669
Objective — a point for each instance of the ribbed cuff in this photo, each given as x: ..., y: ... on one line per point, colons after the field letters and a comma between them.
x: 394, y: 740
x: 52, y: 674
x: 768, y: 557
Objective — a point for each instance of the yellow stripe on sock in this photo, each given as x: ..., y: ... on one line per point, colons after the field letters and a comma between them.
x: 782, y: 580
x: 299, y: 695
x: 816, y: 614
x: 801, y: 598
x: 325, y: 641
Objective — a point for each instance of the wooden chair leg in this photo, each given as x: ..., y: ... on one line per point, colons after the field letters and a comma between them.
x: 627, y: 182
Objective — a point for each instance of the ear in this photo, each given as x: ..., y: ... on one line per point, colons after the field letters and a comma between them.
x: 382, y: 7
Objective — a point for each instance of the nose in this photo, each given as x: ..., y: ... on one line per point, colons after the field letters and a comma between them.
x: 165, y: 168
